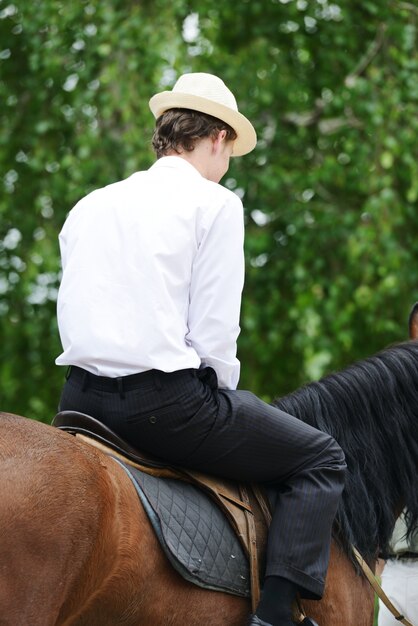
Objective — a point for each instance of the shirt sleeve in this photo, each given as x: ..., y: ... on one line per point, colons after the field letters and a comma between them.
x: 215, y: 293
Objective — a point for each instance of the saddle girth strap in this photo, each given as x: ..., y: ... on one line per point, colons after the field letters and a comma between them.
x: 252, y: 545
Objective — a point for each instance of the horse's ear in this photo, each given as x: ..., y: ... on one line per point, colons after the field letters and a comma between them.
x: 413, y: 322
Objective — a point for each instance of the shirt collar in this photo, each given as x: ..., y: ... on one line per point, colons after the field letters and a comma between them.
x: 176, y: 162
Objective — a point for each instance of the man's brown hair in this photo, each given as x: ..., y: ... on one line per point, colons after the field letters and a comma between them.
x: 180, y: 129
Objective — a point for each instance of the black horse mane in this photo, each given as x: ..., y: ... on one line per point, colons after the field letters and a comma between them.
x: 371, y: 409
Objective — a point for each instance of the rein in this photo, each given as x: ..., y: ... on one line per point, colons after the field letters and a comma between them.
x: 378, y: 589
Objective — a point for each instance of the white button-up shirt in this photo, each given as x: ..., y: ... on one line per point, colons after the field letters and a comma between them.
x: 153, y: 270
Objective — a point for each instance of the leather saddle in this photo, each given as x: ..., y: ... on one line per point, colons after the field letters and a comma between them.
x: 245, y: 506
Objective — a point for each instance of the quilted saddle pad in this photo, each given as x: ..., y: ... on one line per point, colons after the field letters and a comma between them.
x: 193, y: 532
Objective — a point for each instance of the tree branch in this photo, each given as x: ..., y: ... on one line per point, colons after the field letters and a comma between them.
x: 308, y: 118
x: 406, y: 5
x: 373, y: 50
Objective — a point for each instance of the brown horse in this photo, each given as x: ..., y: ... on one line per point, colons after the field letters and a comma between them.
x: 76, y: 547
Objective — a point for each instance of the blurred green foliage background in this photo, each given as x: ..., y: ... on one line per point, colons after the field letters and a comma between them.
x: 330, y: 192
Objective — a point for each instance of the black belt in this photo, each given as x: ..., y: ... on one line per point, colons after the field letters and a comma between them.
x: 124, y: 383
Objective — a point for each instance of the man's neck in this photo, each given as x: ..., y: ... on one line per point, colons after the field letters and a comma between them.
x: 199, y: 157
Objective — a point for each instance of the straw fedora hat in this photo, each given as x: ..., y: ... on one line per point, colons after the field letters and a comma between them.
x: 208, y: 94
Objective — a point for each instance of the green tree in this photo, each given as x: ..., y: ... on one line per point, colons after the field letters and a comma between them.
x: 330, y: 193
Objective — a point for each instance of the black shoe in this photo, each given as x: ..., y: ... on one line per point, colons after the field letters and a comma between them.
x: 256, y: 621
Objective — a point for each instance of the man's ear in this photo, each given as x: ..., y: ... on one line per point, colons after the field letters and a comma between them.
x: 219, y: 139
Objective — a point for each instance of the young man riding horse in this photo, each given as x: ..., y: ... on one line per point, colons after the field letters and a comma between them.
x: 148, y: 313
